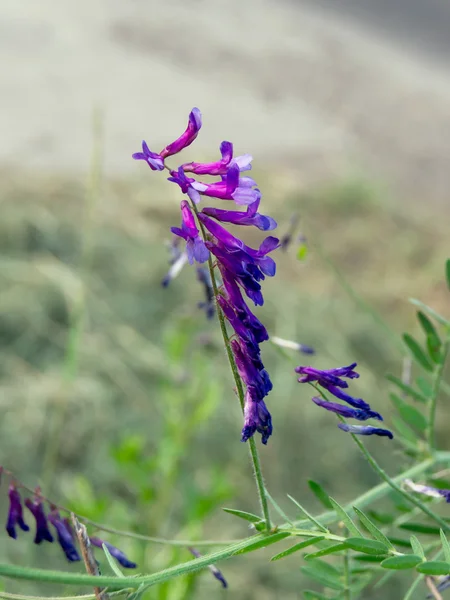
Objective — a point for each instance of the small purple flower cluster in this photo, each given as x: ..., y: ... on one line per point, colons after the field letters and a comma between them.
x: 331, y: 380
x: 64, y: 532
x: 242, y: 268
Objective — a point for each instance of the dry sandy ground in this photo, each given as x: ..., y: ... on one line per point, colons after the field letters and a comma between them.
x: 284, y: 81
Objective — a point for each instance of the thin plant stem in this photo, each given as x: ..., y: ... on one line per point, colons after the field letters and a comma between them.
x: 436, y: 386
x: 254, y: 455
x: 347, y: 576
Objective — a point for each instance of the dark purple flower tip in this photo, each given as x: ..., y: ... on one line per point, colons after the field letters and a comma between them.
x: 115, y: 552
x: 256, y: 418
x: 250, y: 218
x: 36, y: 507
x: 154, y: 160
x: 346, y: 411
x: 15, y: 513
x: 365, y: 430
x: 65, y: 537
x: 329, y: 376
x: 214, y: 570
x: 356, y: 402
x: 187, y: 137
x: 251, y: 369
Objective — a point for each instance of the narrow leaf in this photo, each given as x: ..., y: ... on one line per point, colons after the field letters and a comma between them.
x: 445, y: 546
x: 447, y: 272
x: 409, y: 413
x: 427, y: 325
x: 432, y: 313
x: 434, y: 567
x: 366, y: 546
x: 398, y: 563
x: 320, y: 493
x: 345, y: 518
x: 417, y: 352
x: 112, y: 562
x: 278, y: 508
x: 243, y: 515
x: 372, y: 528
x: 420, y: 528
x: 408, y: 436
x: 324, y: 573
x: 406, y: 389
x: 326, y: 551
x: 383, y: 518
x: 424, y: 386
x: 310, y: 595
x: 369, y: 558
x: 308, y: 515
x: 297, y: 547
x: 272, y: 539
x: 403, y: 543
x: 417, y: 547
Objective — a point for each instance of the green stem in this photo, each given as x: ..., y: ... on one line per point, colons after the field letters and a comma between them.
x: 257, y: 469
x: 436, y: 386
x: 418, y: 579
x: 347, y: 576
x: 393, y: 484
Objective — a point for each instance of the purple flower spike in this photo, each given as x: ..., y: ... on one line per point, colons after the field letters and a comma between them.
x: 154, y: 160
x: 15, y: 513
x: 346, y: 411
x: 232, y: 187
x: 195, y: 246
x: 36, y: 507
x: 428, y: 490
x: 186, y: 138
x: 64, y: 533
x: 250, y: 217
x: 118, y: 554
x: 365, y: 430
x: 214, y: 570
x: 256, y: 418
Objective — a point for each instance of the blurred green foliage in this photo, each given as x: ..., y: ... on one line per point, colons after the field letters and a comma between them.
x: 116, y: 396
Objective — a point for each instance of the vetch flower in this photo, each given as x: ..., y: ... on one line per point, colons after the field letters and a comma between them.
x: 256, y: 418
x: 291, y: 345
x: 15, y: 513
x: 427, y: 490
x: 36, y: 507
x: 64, y: 534
x: 195, y: 246
x: 365, y: 430
x: 214, y: 570
x: 346, y: 411
x: 220, y: 167
x: 250, y: 218
x: 154, y: 160
x: 115, y: 552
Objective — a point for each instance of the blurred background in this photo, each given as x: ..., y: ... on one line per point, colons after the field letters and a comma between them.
x: 114, y: 393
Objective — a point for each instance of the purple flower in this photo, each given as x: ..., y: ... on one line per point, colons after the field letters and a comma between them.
x: 250, y: 217
x: 365, y: 430
x: 214, y: 570
x: 154, y: 160
x: 251, y: 369
x: 346, y: 411
x: 220, y: 167
x: 232, y: 187
x: 331, y: 380
x: 15, y: 513
x: 64, y: 533
x: 239, y: 327
x: 195, y: 247
x: 256, y: 418
x: 186, y: 138
x: 36, y: 507
x: 428, y: 490
x: 185, y: 183
x: 118, y: 554
x: 291, y: 345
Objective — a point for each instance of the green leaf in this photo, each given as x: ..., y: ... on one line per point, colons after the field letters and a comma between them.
x: 427, y: 325
x: 432, y: 313
x: 424, y: 386
x: 370, y: 558
x: 400, y: 542
x: 398, y: 563
x: 434, y: 567
x: 320, y: 493
x: 409, y: 413
x: 445, y: 546
x: 273, y: 539
x: 325, y: 551
x: 345, y: 518
x: 298, y: 547
x: 420, y: 528
x: 278, y: 508
x: 406, y: 389
x: 112, y: 562
x: 372, y: 528
x: 407, y: 436
x: 310, y: 595
x: 366, y: 546
x: 417, y: 352
x: 324, y: 573
x: 417, y: 547
x: 243, y: 515
x: 447, y: 272
x: 383, y: 518
x: 307, y: 514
